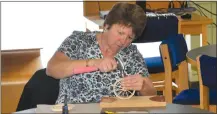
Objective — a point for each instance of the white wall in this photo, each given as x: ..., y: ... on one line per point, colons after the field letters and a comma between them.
x: 39, y: 25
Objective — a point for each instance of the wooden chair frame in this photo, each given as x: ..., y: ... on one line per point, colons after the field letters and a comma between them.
x: 181, y: 77
x: 204, y: 91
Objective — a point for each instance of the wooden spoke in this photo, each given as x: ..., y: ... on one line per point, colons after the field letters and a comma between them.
x: 126, y: 93
x: 119, y: 93
x: 130, y: 92
x: 119, y: 87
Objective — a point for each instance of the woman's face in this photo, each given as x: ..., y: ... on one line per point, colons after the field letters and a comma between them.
x: 119, y: 36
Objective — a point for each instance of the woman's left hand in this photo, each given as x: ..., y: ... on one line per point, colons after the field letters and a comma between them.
x: 134, y: 82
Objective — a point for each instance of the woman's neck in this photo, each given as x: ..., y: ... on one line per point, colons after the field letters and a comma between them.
x: 104, y: 47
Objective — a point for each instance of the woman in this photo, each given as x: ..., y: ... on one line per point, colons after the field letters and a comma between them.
x: 123, y: 24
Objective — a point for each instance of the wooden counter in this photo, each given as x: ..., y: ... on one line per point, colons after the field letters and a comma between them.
x: 17, y: 68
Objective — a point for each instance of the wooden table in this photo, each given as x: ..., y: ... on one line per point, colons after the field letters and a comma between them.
x: 206, y: 50
x: 95, y: 108
x: 195, y: 26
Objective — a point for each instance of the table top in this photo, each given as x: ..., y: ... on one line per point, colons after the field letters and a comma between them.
x: 95, y: 108
x: 209, y: 50
x: 195, y: 20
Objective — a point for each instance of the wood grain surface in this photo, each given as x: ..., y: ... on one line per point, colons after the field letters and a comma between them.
x: 134, y: 102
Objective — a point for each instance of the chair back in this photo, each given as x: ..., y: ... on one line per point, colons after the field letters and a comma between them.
x: 208, y: 70
x: 40, y: 89
x: 177, y: 48
x: 158, y: 27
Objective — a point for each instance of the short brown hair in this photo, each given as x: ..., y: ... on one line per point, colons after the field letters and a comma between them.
x: 130, y: 15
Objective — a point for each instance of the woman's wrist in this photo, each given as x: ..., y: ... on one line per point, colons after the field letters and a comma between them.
x: 147, y: 89
x: 89, y: 62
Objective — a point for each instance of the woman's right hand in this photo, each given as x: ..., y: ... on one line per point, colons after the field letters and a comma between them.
x: 106, y: 64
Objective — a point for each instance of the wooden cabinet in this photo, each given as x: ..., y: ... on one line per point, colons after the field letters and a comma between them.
x: 17, y: 67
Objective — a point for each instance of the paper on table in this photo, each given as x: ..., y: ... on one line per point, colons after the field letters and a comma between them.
x: 42, y: 108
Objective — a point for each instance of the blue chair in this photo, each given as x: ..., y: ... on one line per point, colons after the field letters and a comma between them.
x: 158, y: 28
x: 173, y: 52
x: 206, y: 95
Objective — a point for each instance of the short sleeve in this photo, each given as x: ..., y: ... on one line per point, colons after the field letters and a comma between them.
x: 71, y: 46
x: 136, y: 63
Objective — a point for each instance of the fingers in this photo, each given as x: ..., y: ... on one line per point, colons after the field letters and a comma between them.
x: 132, y: 86
x: 107, y: 67
x: 108, y: 64
x: 132, y: 82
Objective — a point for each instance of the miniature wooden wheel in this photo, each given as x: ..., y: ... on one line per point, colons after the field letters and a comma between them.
x: 120, y: 92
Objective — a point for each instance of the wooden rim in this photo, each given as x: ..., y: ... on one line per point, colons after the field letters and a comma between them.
x: 191, y: 61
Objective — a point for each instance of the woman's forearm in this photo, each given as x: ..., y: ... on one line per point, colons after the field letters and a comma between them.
x: 148, y: 88
x: 63, y: 68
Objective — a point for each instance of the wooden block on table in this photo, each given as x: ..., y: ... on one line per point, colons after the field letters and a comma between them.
x: 136, y: 103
